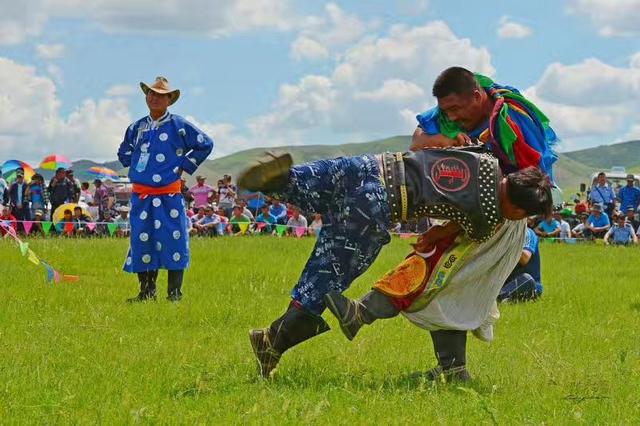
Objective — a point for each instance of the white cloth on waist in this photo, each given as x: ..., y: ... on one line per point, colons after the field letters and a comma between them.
x: 468, y: 301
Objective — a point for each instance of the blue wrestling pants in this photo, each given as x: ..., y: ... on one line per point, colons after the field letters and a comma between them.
x: 352, y: 199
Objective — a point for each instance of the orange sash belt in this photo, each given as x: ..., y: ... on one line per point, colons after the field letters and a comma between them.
x: 145, y: 190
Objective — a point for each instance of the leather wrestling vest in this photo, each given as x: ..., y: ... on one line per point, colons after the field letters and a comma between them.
x: 457, y: 184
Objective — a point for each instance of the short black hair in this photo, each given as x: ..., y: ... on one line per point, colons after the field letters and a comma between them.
x: 530, y: 189
x: 454, y: 80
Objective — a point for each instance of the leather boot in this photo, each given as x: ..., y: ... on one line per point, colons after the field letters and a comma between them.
x: 147, y: 282
x: 291, y: 329
x: 174, y: 293
x: 450, y: 347
x: 269, y: 173
x: 353, y: 314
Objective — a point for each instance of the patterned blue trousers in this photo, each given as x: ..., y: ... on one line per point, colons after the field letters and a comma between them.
x: 347, y: 191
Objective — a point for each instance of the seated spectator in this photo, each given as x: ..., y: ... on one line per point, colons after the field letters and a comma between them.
x: 621, y: 233
x: 279, y: 212
x: 67, y: 225
x: 578, y: 230
x: 316, y: 224
x: 80, y: 221
x: 238, y: 217
x: 295, y: 221
x: 565, y: 228
x: 598, y: 223
x: 580, y: 206
x: 524, y: 281
x: 266, y: 218
x: 102, y: 229
x: 122, y: 220
x: 224, y: 220
x: 246, y: 211
x: 199, y: 215
x: 631, y: 217
x: 8, y: 219
x: 548, y: 228
x: 208, y: 224
x: 38, y: 218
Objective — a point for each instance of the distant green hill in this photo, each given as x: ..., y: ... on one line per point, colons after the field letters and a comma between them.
x: 571, y: 169
x: 233, y: 164
x: 626, y: 154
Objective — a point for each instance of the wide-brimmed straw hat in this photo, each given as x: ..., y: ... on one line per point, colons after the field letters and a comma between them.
x: 161, y: 86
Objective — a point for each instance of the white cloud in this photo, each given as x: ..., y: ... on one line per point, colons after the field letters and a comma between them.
x: 215, y: 18
x: 225, y: 136
x: 307, y: 48
x: 373, y: 87
x: 590, y: 102
x: 21, y: 19
x: 510, y: 29
x: 121, y: 90
x: 611, y: 18
x: 50, y: 51
x: 321, y: 35
x: 56, y: 73
x: 31, y: 125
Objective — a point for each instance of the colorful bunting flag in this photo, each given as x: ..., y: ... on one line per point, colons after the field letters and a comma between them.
x: 46, y: 227
x: 300, y: 230
x: 221, y: 227
x: 50, y: 271
x: 112, y: 228
x: 24, y: 248
x: 68, y: 228
x: 280, y: 229
x: 27, y: 224
x: 261, y: 225
x: 91, y: 226
x: 33, y: 258
x: 243, y: 227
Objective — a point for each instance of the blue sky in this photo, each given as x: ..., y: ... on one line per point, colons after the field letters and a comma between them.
x: 278, y: 72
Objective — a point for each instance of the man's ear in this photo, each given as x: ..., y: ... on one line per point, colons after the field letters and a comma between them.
x: 477, y: 96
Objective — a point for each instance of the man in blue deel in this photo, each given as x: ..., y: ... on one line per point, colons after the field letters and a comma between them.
x: 525, y: 282
x: 157, y: 149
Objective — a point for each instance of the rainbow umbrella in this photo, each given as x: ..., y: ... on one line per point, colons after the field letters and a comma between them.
x: 54, y: 162
x: 10, y: 167
x: 102, y: 172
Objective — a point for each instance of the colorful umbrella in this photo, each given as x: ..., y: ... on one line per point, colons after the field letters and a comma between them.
x: 10, y: 167
x: 58, y: 213
x: 102, y: 172
x: 55, y: 161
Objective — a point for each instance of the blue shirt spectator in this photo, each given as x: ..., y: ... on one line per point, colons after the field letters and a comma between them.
x: 524, y: 283
x: 621, y: 232
x: 629, y: 195
x: 279, y: 211
x: 549, y: 227
x: 599, y: 220
x: 267, y: 218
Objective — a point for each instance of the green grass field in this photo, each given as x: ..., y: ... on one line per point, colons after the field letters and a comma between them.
x: 76, y: 353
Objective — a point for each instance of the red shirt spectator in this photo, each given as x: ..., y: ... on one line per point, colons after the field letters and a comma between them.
x: 7, y: 216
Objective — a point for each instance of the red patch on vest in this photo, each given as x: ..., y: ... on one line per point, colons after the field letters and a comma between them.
x: 450, y: 174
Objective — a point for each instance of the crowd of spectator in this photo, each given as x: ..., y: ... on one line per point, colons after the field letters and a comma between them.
x: 604, y: 214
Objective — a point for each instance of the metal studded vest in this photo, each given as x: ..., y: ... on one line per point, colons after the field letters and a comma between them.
x: 456, y: 184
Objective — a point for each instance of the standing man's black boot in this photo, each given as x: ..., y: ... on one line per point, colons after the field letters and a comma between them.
x: 174, y: 293
x: 291, y: 329
x: 147, y: 281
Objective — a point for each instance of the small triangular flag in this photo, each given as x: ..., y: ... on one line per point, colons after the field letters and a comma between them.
x: 46, y: 227
x: 27, y: 224
x: 112, y: 227
x: 243, y: 227
x: 24, y: 248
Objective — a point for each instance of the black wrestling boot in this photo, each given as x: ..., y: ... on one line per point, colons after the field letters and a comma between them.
x: 174, y: 294
x: 450, y: 347
x: 267, y: 174
x: 147, y: 287
x: 291, y: 329
x: 353, y: 314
